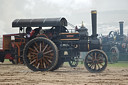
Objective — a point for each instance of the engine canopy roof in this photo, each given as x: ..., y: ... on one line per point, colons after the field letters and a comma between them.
x: 43, y: 22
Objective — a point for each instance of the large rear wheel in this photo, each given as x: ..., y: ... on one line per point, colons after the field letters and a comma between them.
x: 40, y: 54
x: 58, y: 65
x: 96, y: 61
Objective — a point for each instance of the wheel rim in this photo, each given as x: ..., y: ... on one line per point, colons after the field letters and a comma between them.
x: 40, y: 55
x: 13, y: 62
x: 95, y: 61
x: 114, y: 55
x: 111, y: 34
x: 59, y: 64
x: 73, y: 62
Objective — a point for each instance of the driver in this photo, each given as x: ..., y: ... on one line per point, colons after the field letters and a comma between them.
x: 28, y: 30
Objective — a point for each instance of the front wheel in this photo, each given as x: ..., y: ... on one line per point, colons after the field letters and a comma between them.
x: 74, y: 62
x: 95, y: 61
x: 114, y: 55
x: 40, y: 54
x: 13, y: 61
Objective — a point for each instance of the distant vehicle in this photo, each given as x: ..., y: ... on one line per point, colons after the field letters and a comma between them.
x: 116, y: 45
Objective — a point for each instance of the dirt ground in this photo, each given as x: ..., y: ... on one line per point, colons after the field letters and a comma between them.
x: 20, y: 75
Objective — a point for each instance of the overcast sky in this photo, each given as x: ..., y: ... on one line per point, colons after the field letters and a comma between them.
x: 109, y: 12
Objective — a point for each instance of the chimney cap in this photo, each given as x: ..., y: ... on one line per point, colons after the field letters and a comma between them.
x: 93, y: 11
x: 121, y: 22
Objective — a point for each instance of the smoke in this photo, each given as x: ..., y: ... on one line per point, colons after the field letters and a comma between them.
x: 71, y: 4
x: 108, y: 5
x: 75, y: 11
x: 10, y: 10
x: 13, y: 9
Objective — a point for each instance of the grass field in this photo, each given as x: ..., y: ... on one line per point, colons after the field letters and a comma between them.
x: 118, y: 64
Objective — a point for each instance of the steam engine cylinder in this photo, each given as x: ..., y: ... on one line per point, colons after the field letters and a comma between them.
x: 89, y: 44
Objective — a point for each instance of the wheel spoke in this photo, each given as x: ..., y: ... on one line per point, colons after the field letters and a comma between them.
x: 44, y: 65
x: 49, y: 61
x: 91, y: 65
x: 98, y: 66
x: 48, y: 52
x: 48, y: 48
x: 100, y: 61
x: 98, y: 57
x: 46, y: 62
x: 29, y: 55
x: 32, y: 53
x: 33, y: 58
x: 40, y: 47
x: 36, y: 49
x: 89, y: 61
x: 38, y: 65
x: 91, y: 55
x: 41, y: 64
x: 32, y: 49
x: 45, y: 48
x: 95, y: 67
x: 49, y: 57
x: 101, y: 64
x: 36, y: 45
x: 32, y: 61
x: 101, y: 57
x: 95, y: 55
x: 90, y: 58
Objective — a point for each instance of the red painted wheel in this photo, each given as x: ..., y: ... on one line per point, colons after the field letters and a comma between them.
x: 96, y: 61
x: 40, y: 54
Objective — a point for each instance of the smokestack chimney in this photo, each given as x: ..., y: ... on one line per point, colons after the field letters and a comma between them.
x: 94, y: 23
x: 121, y: 28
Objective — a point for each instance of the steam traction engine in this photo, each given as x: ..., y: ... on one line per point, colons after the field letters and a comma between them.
x: 50, y: 48
x: 116, y: 45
